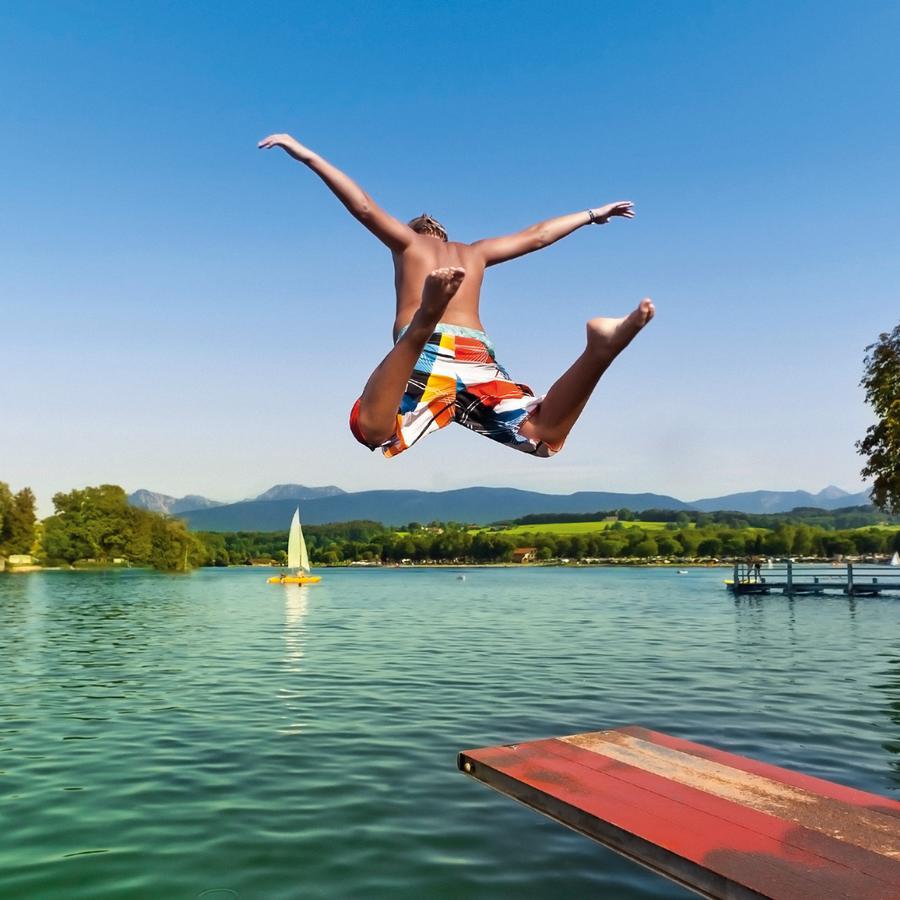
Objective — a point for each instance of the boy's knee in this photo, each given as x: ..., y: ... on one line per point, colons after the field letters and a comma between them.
x: 545, y: 449
x: 369, y: 433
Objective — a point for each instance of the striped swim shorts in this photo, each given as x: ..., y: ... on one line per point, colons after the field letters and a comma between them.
x: 458, y: 379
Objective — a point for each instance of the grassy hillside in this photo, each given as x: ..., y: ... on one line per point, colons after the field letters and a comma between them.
x: 578, y: 527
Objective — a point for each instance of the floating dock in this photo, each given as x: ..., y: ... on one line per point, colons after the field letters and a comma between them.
x: 719, y: 824
x: 791, y: 578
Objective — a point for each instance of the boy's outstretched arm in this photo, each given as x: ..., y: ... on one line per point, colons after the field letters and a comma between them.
x: 390, y: 231
x: 536, y: 237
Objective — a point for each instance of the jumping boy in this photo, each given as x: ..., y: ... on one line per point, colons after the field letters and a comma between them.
x: 442, y: 367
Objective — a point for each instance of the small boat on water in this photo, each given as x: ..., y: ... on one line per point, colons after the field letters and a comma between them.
x: 682, y: 571
x: 895, y: 559
x: 298, y: 558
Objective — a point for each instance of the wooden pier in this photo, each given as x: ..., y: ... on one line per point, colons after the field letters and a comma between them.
x: 719, y: 824
x: 852, y: 579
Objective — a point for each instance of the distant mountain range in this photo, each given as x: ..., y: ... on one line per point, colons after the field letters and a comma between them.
x: 299, y: 492
x: 782, y: 501
x: 271, y: 510
x: 176, y: 506
x: 171, y: 506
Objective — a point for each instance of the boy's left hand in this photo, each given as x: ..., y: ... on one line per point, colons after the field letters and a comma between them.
x: 623, y: 208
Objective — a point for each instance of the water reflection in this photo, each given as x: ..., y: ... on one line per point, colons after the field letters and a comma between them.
x: 296, y: 608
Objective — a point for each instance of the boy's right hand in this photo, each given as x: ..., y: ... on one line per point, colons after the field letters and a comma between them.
x: 286, y: 142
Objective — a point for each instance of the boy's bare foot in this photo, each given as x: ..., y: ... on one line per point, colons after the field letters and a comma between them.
x: 611, y: 336
x: 440, y: 286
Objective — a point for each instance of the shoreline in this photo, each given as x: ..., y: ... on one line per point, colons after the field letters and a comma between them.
x: 604, y: 564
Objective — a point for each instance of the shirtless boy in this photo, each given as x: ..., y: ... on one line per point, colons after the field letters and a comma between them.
x: 442, y: 367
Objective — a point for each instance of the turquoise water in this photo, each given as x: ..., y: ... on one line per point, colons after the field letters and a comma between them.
x: 214, y: 736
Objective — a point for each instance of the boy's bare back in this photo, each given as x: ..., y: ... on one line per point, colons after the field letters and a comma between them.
x: 424, y: 254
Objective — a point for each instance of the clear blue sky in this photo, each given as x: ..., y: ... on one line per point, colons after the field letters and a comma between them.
x: 185, y: 313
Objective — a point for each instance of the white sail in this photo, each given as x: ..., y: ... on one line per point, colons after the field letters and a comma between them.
x: 295, y: 541
x: 298, y: 557
x: 895, y: 559
x: 304, y: 556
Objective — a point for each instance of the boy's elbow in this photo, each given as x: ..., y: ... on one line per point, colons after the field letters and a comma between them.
x: 539, y: 237
x: 540, y: 241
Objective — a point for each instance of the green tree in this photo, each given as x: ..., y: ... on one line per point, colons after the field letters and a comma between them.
x: 871, y: 541
x: 733, y: 543
x: 645, y: 548
x: 881, y: 445
x: 5, y: 503
x: 97, y: 524
x: 690, y: 541
x: 633, y: 537
x: 709, y: 546
x: 776, y: 544
x: 668, y: 546
x: 609, y: 547
x: 17, y: 520
x: 482, y: 546
x: 839, y: 546
x: 577, y: 548
x: 803, y: 540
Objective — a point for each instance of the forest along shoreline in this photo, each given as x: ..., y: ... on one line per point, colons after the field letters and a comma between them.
x: 96, y: 528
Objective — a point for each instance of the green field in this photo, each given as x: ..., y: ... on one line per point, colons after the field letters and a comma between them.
x: 570, y: 528
x: 579, y: 527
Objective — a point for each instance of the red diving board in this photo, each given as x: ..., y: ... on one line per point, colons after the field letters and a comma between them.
x: 720, y: 824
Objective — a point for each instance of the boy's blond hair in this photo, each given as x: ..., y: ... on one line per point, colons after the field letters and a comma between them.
x: 425, y: 224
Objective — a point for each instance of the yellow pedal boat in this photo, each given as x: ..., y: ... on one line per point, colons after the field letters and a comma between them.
x: 294, y: 579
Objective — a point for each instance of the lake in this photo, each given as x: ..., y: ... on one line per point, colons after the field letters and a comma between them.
x: 214, y: 736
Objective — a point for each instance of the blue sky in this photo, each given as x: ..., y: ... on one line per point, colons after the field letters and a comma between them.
x: 185, y: 313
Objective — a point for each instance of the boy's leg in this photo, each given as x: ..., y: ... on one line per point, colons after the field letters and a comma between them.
x: 552, y: 421
x: 384, y: 390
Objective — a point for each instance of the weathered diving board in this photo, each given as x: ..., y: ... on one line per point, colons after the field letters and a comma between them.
x: 722, y: 825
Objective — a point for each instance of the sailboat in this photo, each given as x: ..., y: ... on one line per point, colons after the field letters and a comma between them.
x: 298, y: 558
x: 895, y: 559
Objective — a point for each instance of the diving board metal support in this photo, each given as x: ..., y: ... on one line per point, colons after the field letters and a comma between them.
x: 723, y: 825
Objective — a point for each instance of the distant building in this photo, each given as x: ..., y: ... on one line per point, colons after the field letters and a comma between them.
x: 19, y: 559
x: 524, y: 554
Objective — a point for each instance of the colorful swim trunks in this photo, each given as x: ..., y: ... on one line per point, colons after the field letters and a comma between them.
x: 458, y: 379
